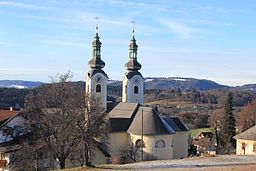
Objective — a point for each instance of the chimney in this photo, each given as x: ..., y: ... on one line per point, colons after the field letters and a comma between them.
x: 11, y: 108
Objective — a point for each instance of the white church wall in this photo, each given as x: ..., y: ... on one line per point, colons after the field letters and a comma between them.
x: 116, y: 142
x: 180, y: 145
x: 91, y: 84
x: 150, y: 149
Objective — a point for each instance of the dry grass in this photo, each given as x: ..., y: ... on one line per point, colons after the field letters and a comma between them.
x: 176, y: 102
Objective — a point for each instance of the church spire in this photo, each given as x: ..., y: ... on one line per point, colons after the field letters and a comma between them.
x: 96, y: 79
x: 133, y: 64
x: 133, y: 81
x: 96, y: 62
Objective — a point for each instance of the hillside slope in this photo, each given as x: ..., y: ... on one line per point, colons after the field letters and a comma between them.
x: 20, y: 84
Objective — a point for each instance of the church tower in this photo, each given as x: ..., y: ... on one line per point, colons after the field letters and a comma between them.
x: 133, y: 81
x: 96, y: 79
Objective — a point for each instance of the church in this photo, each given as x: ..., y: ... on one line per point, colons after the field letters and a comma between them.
x: 137, y: 132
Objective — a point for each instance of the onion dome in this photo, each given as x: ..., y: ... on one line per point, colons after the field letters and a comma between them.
x: 96, y: 62
x: 133, y: 64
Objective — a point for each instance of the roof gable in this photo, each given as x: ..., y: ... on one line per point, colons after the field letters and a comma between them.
x: 152, y: 123
x: 176, y: 124
x: 124, y: 110
x: 6, y: 114
x: 249, y: 134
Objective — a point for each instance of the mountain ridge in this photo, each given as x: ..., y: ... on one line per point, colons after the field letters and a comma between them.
x: 161, y: 83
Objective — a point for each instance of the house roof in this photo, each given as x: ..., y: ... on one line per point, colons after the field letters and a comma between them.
x: 124, y: 110
x: 249, y: 134
x: 152, y: 123
x: 127, y: 117
x: 176, y: 124
x: 6, y: 114
x: 119, y: 124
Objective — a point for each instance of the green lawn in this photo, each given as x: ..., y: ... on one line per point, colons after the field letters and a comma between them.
x: 196, y: 132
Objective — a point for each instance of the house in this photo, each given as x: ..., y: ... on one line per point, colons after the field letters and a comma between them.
x: 205, y: 143
x: 246, y: 142
x: 9, y: 119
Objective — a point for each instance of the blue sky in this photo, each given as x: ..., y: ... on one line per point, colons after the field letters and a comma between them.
x: 209, y: 39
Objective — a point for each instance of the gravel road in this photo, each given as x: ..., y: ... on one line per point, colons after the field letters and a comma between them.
x: 220, y: 160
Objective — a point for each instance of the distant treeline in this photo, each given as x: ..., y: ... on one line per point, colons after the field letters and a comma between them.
x: 11, y: 97
x: 216, y: 96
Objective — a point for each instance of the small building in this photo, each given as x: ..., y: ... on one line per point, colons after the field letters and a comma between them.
x: 246, y: 142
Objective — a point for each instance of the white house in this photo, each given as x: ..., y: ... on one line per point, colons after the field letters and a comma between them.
x: 246, y: 142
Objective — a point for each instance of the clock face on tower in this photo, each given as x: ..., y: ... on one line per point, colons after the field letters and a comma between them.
x: 136, y: 80
x: 98, y: 79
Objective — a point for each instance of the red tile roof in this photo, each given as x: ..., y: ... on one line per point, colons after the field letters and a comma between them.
x: 6, y: 114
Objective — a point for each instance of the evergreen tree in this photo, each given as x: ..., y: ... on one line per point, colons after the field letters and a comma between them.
x: 228, y: 125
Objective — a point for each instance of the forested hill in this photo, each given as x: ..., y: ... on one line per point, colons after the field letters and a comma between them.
x: 19, y: 84
x: 161, y: 83
x: 195, y: 90
x: 181, y: 83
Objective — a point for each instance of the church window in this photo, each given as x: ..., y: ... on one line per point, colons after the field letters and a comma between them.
x: 136, y: 89
x: 139, y: 143
x: 98, y: 88
x: 160, y: 144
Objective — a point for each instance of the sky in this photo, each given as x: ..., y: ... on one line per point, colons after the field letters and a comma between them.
x: 206, y: 39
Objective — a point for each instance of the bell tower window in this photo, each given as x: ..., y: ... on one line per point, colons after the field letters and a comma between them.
x: 136, y: 89
x: 98, y: 88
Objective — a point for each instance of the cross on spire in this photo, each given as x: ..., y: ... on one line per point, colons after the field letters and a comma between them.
x: 97, y: 23
x: 133, y: 23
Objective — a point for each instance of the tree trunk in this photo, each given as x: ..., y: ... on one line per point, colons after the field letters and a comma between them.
x: 217, y: 139
x: 62, y: 163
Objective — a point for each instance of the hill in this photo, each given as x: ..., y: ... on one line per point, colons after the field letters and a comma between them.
x: 161, y: 83
x: 20, y: 84
x: 249, y: 87
x: 181, y: 83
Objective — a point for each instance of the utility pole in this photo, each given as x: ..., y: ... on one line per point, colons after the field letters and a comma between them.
x: 142, y: 142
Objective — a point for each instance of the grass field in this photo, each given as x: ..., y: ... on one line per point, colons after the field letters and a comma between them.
x: 195, y: 132
x: 176, y: 102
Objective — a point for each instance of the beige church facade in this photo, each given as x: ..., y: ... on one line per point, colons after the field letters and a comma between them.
x: 163, y: 138
x: 136, y: 131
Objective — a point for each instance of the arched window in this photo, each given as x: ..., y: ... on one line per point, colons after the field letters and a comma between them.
x: 98, y: 88
x: 139, y: 143
x: 160, y: 144
x: 136, y: 89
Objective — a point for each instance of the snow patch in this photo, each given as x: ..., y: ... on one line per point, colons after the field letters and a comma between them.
x: 148, y: 80
x: 18, y: 86
x: 179, y: 79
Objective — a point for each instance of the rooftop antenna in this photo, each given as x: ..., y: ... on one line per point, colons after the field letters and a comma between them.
x: 133, y: 23
x: 97, y: 23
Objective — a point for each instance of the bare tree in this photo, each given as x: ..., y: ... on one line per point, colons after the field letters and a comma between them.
x: 66, y: 120
x: 215, y: 121
x: 130, y: 152
x: 247, y: 117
